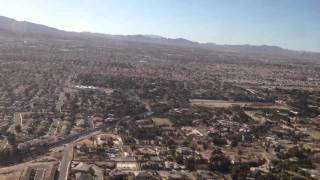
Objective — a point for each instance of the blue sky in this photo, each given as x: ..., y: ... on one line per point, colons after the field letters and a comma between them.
x: 293, y: 24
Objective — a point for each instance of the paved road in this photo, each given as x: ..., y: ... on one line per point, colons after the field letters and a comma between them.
x: 66, y: 161
x: 68, y: 151
x: 69, y: 139
x: 72, y: 138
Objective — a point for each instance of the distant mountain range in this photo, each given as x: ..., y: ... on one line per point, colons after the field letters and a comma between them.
x: 11, y: 27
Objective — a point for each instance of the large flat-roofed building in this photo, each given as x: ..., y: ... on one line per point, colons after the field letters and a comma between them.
x: 132, y: 166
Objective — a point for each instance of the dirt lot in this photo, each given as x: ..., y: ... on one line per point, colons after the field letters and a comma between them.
x: 228, y: 104
x: 250, y: 153
x: 256, y: 116
x: 11, y: 175
x: 162, y: 121
x: 215, y: 103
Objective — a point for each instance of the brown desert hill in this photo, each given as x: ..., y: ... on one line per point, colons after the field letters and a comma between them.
x: 13, y: 28
x: 23, y: 28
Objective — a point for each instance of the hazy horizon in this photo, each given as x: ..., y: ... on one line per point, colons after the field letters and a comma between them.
x: 287, y: 24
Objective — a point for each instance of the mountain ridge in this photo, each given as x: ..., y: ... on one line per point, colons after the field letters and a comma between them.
x: 24, y: 28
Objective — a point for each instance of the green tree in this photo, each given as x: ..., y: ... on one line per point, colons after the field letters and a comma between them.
x: 11, y: 138
x: 18, y: 128
x: 220, y: 162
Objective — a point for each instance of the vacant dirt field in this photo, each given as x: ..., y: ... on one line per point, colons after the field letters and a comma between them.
x: 256, y: 116
x: 228, y: 104
x: 216, y: 103
x: 162, y: 121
